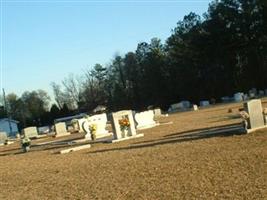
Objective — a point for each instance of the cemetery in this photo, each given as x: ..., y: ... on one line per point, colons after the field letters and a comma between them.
x: 203, y: 151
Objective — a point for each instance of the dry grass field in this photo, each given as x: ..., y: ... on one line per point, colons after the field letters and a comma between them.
x: 172, y: 161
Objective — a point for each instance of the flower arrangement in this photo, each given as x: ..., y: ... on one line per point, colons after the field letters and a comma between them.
x: 92, y: 129
x: 124, y: 123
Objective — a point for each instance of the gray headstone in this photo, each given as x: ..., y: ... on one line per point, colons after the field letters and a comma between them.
x: 204, y: 103
x: 3, y: 137
x: 254, y: 109
x: 30, y: 132
x: 261, y: 93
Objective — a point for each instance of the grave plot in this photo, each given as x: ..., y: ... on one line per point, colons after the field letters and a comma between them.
x: 123, y: 126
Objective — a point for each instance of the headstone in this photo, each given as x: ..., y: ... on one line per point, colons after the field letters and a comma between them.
x: 157, y: 112
x: 43, y: 129
x: 60, y: 129
x: 100, y: 121
x: 261, y: 93
x: 145, y: 119
x: 252, y: 93
x: 195, y: 107
x: 86, y: 129
x: 181, y: 106
x: 3, y: 137
x: 245, y: 97
x: 225, y: 99
x: 254, y: 109
x: 80, y: 124
x: 238, y: 97
x: 117, y: 130
x: 30, y: 132
x: 204, y: 103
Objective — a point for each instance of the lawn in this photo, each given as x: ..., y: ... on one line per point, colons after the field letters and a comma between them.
x: 176, y: 160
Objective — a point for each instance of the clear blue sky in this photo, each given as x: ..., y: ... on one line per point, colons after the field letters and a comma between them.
x: 44, y: 41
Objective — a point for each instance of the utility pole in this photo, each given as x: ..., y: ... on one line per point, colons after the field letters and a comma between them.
x: 9, y: 123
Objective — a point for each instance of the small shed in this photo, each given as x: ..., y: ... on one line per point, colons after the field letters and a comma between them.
x: 9, y: 126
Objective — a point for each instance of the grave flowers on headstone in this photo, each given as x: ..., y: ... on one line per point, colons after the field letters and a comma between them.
x: 124, y: 125
x: 93, y: 128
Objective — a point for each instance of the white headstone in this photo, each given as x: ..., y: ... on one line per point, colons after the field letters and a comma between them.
x: 254, y: 109
x: 60, y: 129
x: 86, y: 129
x: 117, y: 130
x: 145, y: 119
x: 157, y: 112
x: 100, y: 121
x: 80, y: 124
x: 195, y: 107
x: 30, y: 132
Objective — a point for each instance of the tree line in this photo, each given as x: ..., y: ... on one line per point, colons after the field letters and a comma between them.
x: 218, y: 54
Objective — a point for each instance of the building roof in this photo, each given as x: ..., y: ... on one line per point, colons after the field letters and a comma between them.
x: 11, y: 120
x: 64, y: 119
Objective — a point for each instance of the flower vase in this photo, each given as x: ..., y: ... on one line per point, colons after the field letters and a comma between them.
x: 124, y: 133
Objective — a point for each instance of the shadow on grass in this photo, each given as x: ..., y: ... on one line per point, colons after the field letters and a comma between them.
x: 49, y: 146
x: 187, y: 136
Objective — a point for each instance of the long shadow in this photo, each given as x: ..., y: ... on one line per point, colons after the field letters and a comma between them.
x: 46, y: 147
x: 178, y: 139
x: 203, y: 129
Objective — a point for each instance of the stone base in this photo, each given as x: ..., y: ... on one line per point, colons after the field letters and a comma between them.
x: 104, y: 135
x: 87, y: 146
x: 62, y: 134
x: 255, y: 129
x: 126, y: 138
x: 148, y: 126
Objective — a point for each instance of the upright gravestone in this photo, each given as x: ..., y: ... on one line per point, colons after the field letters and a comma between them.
x: 60, y: 129
x: 157, y: 112
x: 80, y: 124
x: 100, y: 122
x: 3, y: 137
x: 120, y: 131
x: 261, y: 93
x: 204, y: 103
x: 254, y: 109
x: 195, y: 107
x: 30, y: 132
x: 238, y: 96
x: 145, y: 119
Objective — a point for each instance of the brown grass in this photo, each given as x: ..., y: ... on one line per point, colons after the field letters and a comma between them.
x: 172, y: 161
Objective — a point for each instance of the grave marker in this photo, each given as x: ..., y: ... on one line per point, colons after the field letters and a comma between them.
x: 118, y: 133
x: 254, y: 109
x: 30, y: 132
x: 60, y: 129
x: 145, y: 119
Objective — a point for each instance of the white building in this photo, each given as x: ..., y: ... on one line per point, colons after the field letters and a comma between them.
x: 9, y: 126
